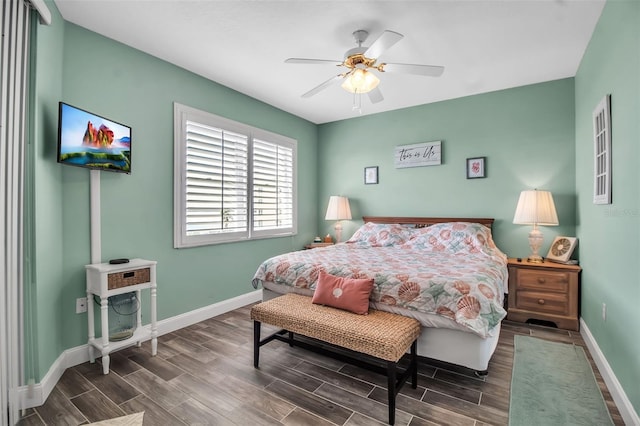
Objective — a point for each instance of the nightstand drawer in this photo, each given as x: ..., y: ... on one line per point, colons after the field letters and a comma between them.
x: 528, y: 279
x: 551, y: 303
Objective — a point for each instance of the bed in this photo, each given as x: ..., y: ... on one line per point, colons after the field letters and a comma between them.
x: 445, y: 272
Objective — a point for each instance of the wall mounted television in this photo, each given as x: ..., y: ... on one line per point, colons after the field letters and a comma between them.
x: 91, y: 141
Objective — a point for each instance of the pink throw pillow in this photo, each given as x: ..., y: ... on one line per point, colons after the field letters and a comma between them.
x: 350, y: 294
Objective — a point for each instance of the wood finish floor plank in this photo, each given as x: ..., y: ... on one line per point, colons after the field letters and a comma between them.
x: 300, y: 417
x: 362, y: 404
x: 59, y: 410
x: 73, y: 383
x: 154, y: 413
x: 204, y: 374
x: 192, y: 412
x: 322, y: 407
x: 112, y: 385
x: 343, y: 381
x: 95, y: 406
x: 424, y: 410
x: 156, y: 388
x: 158, y: 366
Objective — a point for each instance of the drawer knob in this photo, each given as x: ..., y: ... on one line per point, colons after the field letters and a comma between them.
x: 540, y: 301
x: 542, y: 280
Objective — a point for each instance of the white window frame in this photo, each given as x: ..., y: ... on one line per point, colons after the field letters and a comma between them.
x: 602, y: 152
x: 182, y: 114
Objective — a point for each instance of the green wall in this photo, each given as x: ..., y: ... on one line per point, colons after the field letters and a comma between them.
x: 610, y: 234
x: 44, y: 277
x: 526, y: 133
x: 100, y: 75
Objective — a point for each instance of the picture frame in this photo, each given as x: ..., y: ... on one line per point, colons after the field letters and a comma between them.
x: 371, y: 175
x: 561, y: 249
x: 476, y: 167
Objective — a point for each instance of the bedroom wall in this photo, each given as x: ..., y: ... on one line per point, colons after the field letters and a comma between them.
x: 526, y: 133
x: 128, y: 86
x: 610, y: 247
x: 44, y: 278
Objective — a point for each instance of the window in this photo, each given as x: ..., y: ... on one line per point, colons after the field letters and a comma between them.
x: 602, y: 152
x: 233, y: 182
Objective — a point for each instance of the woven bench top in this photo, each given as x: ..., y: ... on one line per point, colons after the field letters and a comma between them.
x: 379, y: 334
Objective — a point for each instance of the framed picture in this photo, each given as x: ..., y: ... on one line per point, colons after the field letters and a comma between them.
x: 561, y: 249
x: 476, y: 167
x: 370, y: 175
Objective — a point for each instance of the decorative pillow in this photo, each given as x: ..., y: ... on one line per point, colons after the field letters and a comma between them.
x: 343, y: 293
x: 380, y: 235
x: 453, y: 237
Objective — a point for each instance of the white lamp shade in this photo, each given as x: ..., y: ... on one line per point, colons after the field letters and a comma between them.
x: 536, y: 208
x: 360, y: 81
x: 338, y: 208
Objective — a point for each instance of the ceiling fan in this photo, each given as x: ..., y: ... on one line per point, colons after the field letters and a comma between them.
x: 361, y: 61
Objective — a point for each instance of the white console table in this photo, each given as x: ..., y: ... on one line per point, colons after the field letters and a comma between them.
x: 105, y: 280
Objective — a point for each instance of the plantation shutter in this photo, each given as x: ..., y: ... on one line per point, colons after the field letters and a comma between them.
x: 272, y: 186
x: 216, y: 180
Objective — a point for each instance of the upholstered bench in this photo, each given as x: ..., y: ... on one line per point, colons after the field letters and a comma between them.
x: 383, y: 336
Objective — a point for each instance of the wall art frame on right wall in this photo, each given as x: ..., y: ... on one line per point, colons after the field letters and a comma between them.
x: 602, y: 151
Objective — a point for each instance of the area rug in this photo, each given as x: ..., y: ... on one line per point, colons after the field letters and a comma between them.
x: 553, y: 384
x: 130, y: 420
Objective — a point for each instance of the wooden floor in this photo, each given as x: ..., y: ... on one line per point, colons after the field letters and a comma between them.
x: 204, y: 374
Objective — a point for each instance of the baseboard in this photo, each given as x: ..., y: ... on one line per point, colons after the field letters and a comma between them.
x: 36, y: 394
x: 618, y: 394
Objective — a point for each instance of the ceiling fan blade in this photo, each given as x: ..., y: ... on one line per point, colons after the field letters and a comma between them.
x: 428, y: 70
x: 382, y: 43
x: 312, y: 61
x: 375, y: 96
x: 322, y: 86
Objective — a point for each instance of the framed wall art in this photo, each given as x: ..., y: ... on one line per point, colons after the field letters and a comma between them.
x: 418, y: 155
x: 371, y: 175
x: 476, y: 167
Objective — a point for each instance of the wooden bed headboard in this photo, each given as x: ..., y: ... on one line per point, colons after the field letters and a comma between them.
x: 423, y: 222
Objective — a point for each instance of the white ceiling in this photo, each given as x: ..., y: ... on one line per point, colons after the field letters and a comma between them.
x: 483, y: 45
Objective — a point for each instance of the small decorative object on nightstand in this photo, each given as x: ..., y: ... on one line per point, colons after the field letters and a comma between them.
x: 544, y: 291
x: 316, y: 245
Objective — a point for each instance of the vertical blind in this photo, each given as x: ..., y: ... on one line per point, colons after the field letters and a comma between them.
x: 15, y: 20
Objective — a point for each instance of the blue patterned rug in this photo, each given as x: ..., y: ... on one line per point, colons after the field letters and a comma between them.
x: 553, y: 384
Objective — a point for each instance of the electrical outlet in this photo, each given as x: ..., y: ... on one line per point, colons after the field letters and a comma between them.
x: 604, y: 312
x: 81, y: 305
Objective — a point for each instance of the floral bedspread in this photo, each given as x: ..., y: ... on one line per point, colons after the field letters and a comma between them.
x: 466, y: 287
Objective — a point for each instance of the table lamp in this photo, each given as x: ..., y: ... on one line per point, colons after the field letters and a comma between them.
x: 535, y: 208
x: 338, y: 209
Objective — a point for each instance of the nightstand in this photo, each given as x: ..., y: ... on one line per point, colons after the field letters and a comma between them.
x: 544, y: 291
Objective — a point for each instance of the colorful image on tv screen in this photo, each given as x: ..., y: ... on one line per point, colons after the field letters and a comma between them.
x: 88, y: 140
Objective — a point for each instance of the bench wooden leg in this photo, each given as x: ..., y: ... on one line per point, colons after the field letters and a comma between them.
x: 391, y: 390
x: 256, y: 343
x: 414, y: 364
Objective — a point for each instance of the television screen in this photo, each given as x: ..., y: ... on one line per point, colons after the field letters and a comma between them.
x: 88, y: 140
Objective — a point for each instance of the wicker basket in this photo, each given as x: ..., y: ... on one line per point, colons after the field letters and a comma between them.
x: 128, y: 278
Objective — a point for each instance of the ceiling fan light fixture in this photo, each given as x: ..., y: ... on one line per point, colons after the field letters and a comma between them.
x: 360, y: 81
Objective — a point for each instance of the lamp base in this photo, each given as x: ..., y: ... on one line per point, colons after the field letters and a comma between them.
x: 535, y: 241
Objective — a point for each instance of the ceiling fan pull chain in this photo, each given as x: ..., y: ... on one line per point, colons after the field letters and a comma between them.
x: 357, y: 101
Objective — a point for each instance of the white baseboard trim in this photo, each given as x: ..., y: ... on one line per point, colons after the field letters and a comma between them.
x: 618, y: 394
x: 36, y: 394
